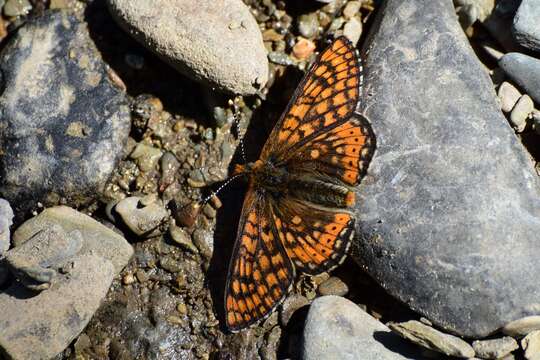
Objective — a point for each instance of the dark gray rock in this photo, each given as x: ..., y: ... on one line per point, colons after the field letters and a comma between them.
x: 525, y: 26
x: 449, y: 214
x: 337, y: 329
x: 524, y: 70
x: 63, y: 121
x: 41, y: 326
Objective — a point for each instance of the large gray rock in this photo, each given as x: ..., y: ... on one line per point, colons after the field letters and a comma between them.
x: 449, y: 214
x: 216, y: 42
x: 6, y: 220
x: 41, y: 326
x: 525, y: 26
x: 524, y: 70
x: 64, y: 121
x: 337, y: 329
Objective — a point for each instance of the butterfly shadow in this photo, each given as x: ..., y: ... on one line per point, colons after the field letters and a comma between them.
x: 263, y: 120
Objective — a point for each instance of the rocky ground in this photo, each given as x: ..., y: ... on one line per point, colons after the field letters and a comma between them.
x: 117, y: 116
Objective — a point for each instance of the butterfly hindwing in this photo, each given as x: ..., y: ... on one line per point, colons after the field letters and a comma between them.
x: 316, y: 239
x: 260, y: 272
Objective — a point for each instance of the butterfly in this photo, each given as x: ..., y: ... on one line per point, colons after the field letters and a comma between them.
x: 295, y: 215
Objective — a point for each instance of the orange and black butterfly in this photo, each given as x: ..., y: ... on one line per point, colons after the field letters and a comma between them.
x: 295, y: 216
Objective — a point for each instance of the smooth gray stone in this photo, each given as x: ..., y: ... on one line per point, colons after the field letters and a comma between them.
x: 525, y: 71
x: 449, y: 213
x: 337, y: 329
x: 36, y: 327
x: 63, y: 119
x: 525, y: 26
x: 97, y: 238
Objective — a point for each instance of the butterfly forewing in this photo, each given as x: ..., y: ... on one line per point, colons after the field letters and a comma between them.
x: 327, y: 96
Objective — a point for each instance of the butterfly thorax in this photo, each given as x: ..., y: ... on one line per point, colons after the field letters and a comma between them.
x: 265, y: 175
x: 278, y: 181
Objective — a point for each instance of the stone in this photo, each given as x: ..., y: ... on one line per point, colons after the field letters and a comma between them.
x: 290, y: 305
x: 43, y: 325
x: 524, y: 70
x: 433, y: 339
x: 509, y: 95
x: 522, y: 327
x: 17, y: 7
x: 63, y: 122
x: 303, y: 48
x: 34, y: 260
x: 352, y: 30
x: 525, y: 26
x: 97, y: 238
x: 142, y: 219
x: 447, y: 164
x: 308, y: 25
x: 6, y: 220
x: 520, y: 112
x: 333, y: 286
x: 216, y: 43
x: 182, y: 238
x: 531, y: 345
x: 337, y: 329
x: 494, y: 348
x: 351, y: 9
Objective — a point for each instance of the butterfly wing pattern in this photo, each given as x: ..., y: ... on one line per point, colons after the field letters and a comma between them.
x: 299, y: 221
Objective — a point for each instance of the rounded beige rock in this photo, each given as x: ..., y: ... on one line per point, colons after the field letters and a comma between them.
x: 217, y: 43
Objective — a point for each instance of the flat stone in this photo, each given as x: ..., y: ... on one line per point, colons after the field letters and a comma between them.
x: 333, y: 286
x: 63, y: 122
x: 43, y: 325
x: 97, y: 238
x: 6, y: 220
x: 337, y: 329
x: 531, y: 345
x: 494, y: 348
x: 449, y: 212
x: 433, y: 339
x: 522, y: 327
x: 524, y: 70
x: 509, y: 95
x: 216, y: 43
x: 521, y: 111
x: 525, y: 26
x: 142, y: 219
x: 33, y: 261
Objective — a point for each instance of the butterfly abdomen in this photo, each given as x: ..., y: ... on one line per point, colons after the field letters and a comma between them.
x: 320, y: 192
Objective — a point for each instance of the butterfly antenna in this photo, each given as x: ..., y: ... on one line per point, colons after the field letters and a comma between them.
x: 237, y: 116
x: 215, y: 193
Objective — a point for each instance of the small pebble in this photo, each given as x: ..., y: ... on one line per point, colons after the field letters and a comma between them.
x: 531, y: 345
x: 522, y: 327
x: 520, y: 112
x: 182, y: 308
x: 495, y: 348
x: 333, y: 286
x: 216, y: 202
x: 170, y: 264
x: 353, y: 30
x: 509, y: 95
x: 128, y: 279
x: 280, y: 58
x: 17, y: 7
x: 58, y: 4
x: 209, y: 211
x: 308, y: 25
x: 303, y: 48
x: 182, y: 238
x: 351, y: 9
x: 141, y: 276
